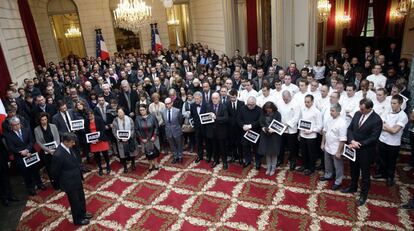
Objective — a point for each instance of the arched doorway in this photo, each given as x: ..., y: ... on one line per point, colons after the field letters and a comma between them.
x: 64, y: 20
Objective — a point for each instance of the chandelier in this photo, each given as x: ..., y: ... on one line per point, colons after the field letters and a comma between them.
x: 404, y: 7
x: 132, y: 15
x: 167, y: 3
x: 324, y: 9
x: 73, y: 32
x: 343, y: 19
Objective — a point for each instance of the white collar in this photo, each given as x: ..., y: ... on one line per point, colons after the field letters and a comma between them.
x: 66, y: 148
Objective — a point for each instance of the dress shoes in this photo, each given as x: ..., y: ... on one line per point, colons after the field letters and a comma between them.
x: 198, y: 160
x: 257, y: 167
x: 319, y: 167
x: 174, y: 161
x: 225, y: 166
x: 390, y: 182
x: 409, y: 205
x: 300, y: 169
x: 83, y: 222
x: 108, y: 171
x: 208, y: 159
x: 349, y: 190
x: 308, y: 172
x: 292, y: 166
x: 335, y: 187
x: 100, y: 172
x: 88, y: 215
x: 279, y: 162
x: 214, y: 164
x: 322, y: 178
x: 378, y: 176
x: 245, y: 165
x: 241, y: 162
x: 361, y: 201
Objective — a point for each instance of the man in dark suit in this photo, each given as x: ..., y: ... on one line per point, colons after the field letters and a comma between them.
x: 206, y: 92
x: 363, y: 134
x: 234, y: 131
x: 20, y: 142
x: 196, y: 109
x: 6, y: 193
x: 259, y: 79
x: 63, y: 118
x: 218, y: 129
x: 67, y: 171
x: 159, y: 88
x: 128, y: 99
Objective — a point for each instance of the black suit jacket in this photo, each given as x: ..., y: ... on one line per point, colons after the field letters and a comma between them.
x: 162, y: 91
x: 233, y: 113
x: 60, y: 122
x: 50, y: 109
x: 209, y: 96
x: 368, y: 133
x: 66, y: 170
x: 133, y: 96
x: 198, y: 127
x: 16, y: 145
x: 217, y: 129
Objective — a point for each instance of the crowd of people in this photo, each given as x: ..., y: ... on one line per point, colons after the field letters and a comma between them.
x: 196, y: 100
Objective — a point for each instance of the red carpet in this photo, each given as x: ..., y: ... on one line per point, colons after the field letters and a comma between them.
x: 193, y: 196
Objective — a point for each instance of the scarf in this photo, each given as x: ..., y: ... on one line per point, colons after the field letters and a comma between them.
x: 124, y: 124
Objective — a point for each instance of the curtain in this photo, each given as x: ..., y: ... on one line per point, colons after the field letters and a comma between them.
x: 31, y: 33
x: 359, y: 14
x: 381, y: 17
x: 251, y: 26
x: 330, y: 25
x: 5, y: 79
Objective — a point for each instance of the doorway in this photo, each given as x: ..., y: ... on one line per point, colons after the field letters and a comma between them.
x: 178, y: 25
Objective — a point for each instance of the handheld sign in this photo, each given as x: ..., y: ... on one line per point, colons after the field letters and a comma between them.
x: 305, y: 125
x: 31, y: 160
x: 206, y: 118
x: 51, y: 146
x: 349, y: 153
x: 76, y: 125
x: 191, y: 122
x: 252, y: 136
x: 123, y: 134
x: 92, y: 137
x: 278, y: 127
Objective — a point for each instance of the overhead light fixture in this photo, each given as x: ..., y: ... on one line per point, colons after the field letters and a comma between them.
x: 404, y: 6
x: 324, y: 10
x: 73, y: 32
x: 167, y: 3
x: 132, y: 15
x: 343, y: 19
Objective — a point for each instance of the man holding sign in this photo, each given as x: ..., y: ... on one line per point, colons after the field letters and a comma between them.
x: 363, y: 133
x: 20, y: 143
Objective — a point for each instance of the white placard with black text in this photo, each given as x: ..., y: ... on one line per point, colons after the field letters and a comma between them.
x: 206, y: 118
x: 92, y: 137
x: 278, y: 127
x: 31, y: 160
x: 123, y: 134
x: 76, y: 125
x: 349, y: 153
x: 252, y: 136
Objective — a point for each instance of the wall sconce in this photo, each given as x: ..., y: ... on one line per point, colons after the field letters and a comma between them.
x: 404, y: 6
x: 324, y: 10
x: 396, y: 15
x: 343, y: 19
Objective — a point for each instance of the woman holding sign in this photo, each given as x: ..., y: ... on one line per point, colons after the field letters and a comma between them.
x: 47, y: 137
x: 123, y: 130
x: 146, y: 127
x: 97, y: 140
x: 270, y: 141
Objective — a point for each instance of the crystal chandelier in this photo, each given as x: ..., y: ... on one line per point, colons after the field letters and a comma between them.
x: 73, y: 32
x: 132, y: 15
x: 343, y: 19
x: 404, y: 6
x: 324, y: 9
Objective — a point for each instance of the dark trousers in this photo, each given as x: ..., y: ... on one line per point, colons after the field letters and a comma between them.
x: 309, y: 150
x: 234, y: 147
x: 97, y: 156
x: 5, y: 186
x: 219, y: 149
x: 199, y: 142
x: 77, y: 204
x: 47, y: 160
x: 388, y: 155
x: 30, y: 174
x: 412, y: 149
x: 209, y: 146
x: 362, y: 164
x: 289, y: 141
x: 249, y: 150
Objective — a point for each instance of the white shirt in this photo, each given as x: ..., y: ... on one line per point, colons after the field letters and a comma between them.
x: 378, y: 80
x: 350, y: 105
x: 299, y: 97
x: 322, y: 103
x: 292, y: 88
x: 392, y: 119
x: 277, y: 94
x: 370, y: 95
x: 313, y: 115
x: 66, y: 148
x: 382, y: 108
x: 335, y: 132
x: 261, y: 100
x: 290, y: 115
x: 326, y: 113
x: 364, y: 118
x: 244, y: 95
x: 403, y: 105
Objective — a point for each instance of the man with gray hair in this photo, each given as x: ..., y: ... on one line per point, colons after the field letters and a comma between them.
x: 248, y: 120
x: 128, y: 99
x: 333, y: 140
x: 173, y: 121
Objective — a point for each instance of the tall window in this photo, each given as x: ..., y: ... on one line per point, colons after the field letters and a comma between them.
x: 368, y: 30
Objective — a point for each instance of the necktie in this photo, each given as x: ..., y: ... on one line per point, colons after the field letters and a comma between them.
x: 20, y: 135
x: 224, y: 100
x: 67, y: 121
x: 361, y: 121
x: 128, y: 100
x: 169, y: 116
x: 206, y: 97
x: 215, y: 109
x: 103, y: 113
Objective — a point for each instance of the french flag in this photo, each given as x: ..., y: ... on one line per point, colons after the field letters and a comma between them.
x: 101, y: 50
x: 3, y: 115
x: 155, y: 38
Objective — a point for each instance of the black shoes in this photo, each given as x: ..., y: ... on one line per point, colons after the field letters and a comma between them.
x: 108, y: 170
x: 208, y: 159
x: 349, y: 190
x: 100, y: 172
x: 292, y: 166
x: 198, y: 160
x: 322, y: 178
x: 336, y: 187
x: 390, y: 182
x: 225, y: 166
x: 378, y: 176
x: 174, y: 161
x: 307, y: 172
x: 361, y: 201
x: 300, y: 169
x: 83, y: 222
x: 246, y: 164
x: 257, y: 167
x: 88, y: 215
x: 409, y: 205
x: 214, y: 164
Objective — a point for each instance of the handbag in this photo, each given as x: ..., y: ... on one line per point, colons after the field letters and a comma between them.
x: 187, y: 128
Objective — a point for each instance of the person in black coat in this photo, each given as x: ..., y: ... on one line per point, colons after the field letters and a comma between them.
x: 363, y: 134
x: 217, y: 130
x: 6, y: 192
x: 128, y: 99
x: 197, y: 108
x: 248, y: 119
x: 67, y: 171
x: 42, y: 106
x: 20, y: 142
x: 234, y: 131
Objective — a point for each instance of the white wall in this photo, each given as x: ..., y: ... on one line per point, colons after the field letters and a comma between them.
x: 14, y: 43
x: 207, y: 19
